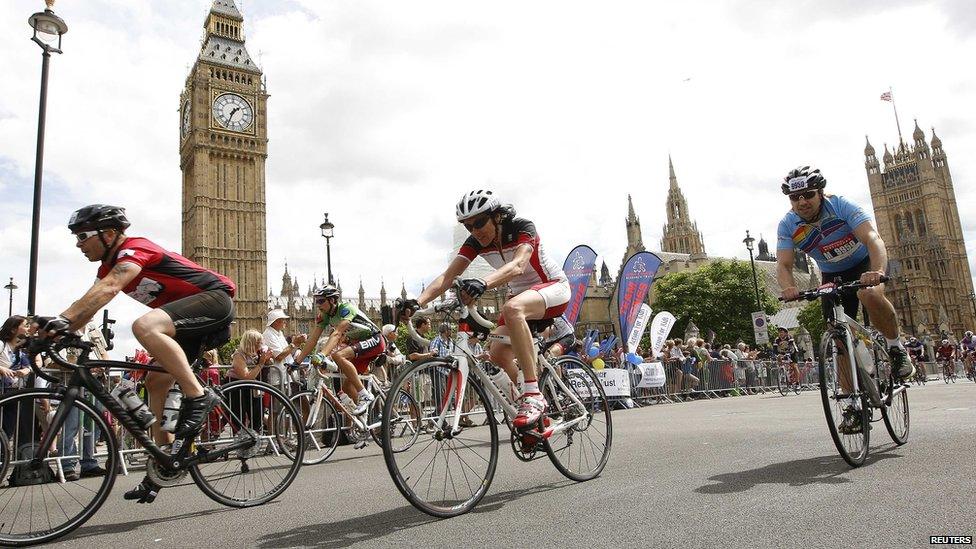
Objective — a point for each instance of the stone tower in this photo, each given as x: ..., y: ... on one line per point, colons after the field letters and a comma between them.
x: 223, y: 148
x: 680, y: 233
x: 915, y: 208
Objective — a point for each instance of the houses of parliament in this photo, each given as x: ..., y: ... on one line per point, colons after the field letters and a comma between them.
x: 223, y: 145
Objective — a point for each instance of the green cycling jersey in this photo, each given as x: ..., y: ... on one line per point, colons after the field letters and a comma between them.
x: 360, y: 326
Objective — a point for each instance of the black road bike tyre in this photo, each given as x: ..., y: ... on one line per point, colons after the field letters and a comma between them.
x: 317, y: 451
x: 827, y: 399
x: 782, y: 381
x: 295, y: 456
x: 6, y: 455
x: 102, y: 492
x: 899, y: 407
x: 391, y: 457
x: 601, y: 410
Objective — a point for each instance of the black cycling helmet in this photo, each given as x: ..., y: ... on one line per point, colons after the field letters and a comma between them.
x: 327, y: 291
x: 98, y: 216
x: 803, y: 178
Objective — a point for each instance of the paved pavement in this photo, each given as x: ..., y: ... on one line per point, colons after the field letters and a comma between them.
x: 757, y: 471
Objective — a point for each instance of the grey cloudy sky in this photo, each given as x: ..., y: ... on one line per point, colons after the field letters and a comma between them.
x: 383, y: 113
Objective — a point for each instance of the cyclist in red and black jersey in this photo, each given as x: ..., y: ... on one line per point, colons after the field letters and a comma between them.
x: 945, y: 354
x: 538, y: 287
x: 189, y: 302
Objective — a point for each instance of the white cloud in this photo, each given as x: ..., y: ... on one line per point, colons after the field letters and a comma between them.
x: 383, y: 114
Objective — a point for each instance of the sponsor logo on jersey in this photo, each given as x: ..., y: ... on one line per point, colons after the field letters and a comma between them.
x: 125, y: 253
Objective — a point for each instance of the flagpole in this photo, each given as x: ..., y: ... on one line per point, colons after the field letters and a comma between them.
x: 897, y: 123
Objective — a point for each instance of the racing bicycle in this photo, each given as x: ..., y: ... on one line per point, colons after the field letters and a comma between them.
x: 852, y: 392
x: 449, y: 469
x: 236, y: 461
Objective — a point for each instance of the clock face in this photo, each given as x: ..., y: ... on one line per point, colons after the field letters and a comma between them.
x: 185, y: 126
x: 233, y: 112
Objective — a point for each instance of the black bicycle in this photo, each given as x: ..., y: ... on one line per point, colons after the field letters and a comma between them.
x: 237, y: 460
x: 851, y: 393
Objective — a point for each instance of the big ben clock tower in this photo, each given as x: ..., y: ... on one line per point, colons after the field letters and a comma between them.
x: 223, y: 146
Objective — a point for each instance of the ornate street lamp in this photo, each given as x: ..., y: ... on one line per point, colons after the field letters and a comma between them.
x: 10, y: 290
x: 48, y: 30
x: 327, y: 233
x: 748, y: 241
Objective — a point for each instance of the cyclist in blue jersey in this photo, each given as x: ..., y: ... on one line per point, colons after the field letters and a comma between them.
x: 839, y: 236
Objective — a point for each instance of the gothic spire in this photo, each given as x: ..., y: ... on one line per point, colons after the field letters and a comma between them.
x: 868, y: 149
x: 673, y: 178
x: 631, y: 216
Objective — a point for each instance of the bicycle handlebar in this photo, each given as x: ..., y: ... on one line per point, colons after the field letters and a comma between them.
x: 832, y: 289
x: 47, y: 347
x: 452, y: 305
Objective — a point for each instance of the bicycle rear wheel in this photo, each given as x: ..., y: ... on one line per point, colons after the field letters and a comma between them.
x: 444, y: 473
x: 35, y: 505
x: 853, y: 447
x: 896, y: 418
x: 580, y: 452
x: 261, y: 417
x: 404, y: 425
x: 782, y: 381
x: 322, y: 427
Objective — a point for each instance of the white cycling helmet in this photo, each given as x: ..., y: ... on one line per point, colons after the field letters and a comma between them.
x: 476, y: 202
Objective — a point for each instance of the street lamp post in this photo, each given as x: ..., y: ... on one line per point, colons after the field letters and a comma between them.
x: 327, y: 233
x: 10, y: 287
x: 48, y: 29
x: 908, y: 298
x: 748, y: 241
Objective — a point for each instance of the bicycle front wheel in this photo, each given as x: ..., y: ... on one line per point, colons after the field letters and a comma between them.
x: 782, y: 382
x: 322, y: 426
x: 446, y: 472
x: 577, y: 403
x: 852, y: 446
x: 37, y: 503
x: 258, y: 421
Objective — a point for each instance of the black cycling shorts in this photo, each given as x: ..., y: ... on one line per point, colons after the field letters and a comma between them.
x: 848, y: 299
x: 198, y: 316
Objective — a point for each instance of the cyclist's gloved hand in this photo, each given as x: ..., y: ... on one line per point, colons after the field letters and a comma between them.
x: 405, y: 306
x: 790, y: 294
x: 50, y: 327
x: 474, y: 287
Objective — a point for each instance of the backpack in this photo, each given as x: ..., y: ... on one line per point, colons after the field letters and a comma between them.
x: 24, y: 475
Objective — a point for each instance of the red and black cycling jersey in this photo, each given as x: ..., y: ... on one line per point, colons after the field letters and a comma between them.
x: 516, y: 232
x: 945, y: 351
x: 165, y: 276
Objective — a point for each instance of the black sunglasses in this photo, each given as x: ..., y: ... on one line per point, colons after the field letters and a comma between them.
x: 477, y: 223
x: 806, y: 195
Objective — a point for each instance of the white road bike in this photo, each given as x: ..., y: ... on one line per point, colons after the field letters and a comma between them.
x: 450, y: 467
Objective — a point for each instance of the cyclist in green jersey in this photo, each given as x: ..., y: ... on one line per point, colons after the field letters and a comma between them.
x: 350, y: 325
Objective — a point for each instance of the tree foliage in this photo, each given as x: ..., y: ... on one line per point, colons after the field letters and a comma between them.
x: 719, y: 296
x: 811, y: 318
x: 226, y: 351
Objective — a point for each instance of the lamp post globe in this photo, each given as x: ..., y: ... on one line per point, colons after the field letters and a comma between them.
x: 10, y: 287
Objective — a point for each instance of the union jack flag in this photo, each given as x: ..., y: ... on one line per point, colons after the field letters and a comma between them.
x: 886, y: 96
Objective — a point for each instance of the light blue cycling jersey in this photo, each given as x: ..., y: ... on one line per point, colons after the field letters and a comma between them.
x: 830, y: 239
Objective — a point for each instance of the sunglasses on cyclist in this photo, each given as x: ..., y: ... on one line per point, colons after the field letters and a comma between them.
x: 85, y: 235
x: 320, y: 300
x: 805, y: 195
x: 476, y: 223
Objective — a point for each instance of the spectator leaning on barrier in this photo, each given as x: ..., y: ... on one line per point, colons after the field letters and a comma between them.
x: 416, y: 351
x: 14, y: 365
x: 282, y: 350
x: 689, y: 379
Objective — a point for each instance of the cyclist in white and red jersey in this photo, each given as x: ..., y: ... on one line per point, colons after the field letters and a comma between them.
x: 538, y: 288
x: 189, y: 303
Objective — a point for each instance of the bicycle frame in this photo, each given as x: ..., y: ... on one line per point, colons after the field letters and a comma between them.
x: 82, y: 379
x: 372, y: 384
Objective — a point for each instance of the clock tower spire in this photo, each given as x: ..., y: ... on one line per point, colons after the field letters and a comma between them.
x: 223, y: 148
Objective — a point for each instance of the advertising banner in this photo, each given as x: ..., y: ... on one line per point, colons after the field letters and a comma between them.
x: 640, y: 325
x: 660, y: 328
x: 616, y: 382
x: 632, y: 288
x: 579, y: 267
x: 652, y: 375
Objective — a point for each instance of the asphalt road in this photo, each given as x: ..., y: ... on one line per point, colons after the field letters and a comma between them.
x: 757, y: 471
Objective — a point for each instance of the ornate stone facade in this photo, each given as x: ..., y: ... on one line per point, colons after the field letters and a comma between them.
x: 918, y: 218
x: 223, y: 148
x: 681, y: 234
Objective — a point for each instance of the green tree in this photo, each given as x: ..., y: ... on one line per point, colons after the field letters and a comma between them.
x: 227, y: 350
x: 719, y: 296
x: 811, y: 318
